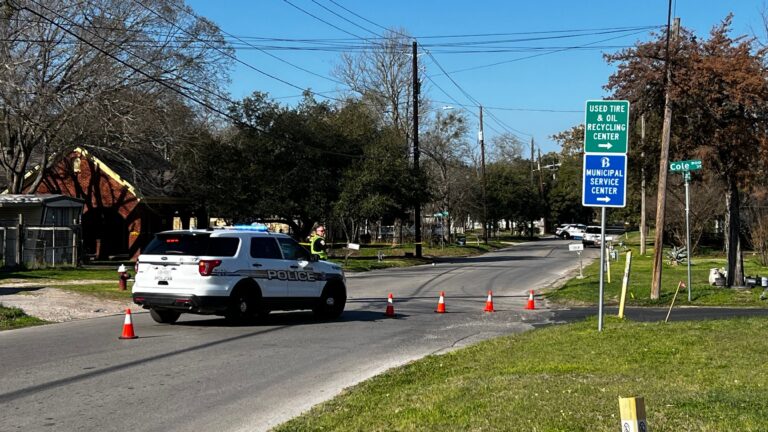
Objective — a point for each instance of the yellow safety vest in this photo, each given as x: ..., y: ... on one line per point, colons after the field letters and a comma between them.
x: 320, y: 252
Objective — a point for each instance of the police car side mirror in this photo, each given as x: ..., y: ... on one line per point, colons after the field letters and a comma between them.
x: 314, y: 258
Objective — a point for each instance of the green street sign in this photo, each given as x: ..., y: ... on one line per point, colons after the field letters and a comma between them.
x: 689, y: 165
x: 606, y: 126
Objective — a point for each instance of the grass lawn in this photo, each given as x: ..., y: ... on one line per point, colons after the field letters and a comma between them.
x: 11, y: 318
x: 699, y: 376
x: 702, y: 376
x: 81, y: 280
x: 367, y: 257
x: 585, y: 291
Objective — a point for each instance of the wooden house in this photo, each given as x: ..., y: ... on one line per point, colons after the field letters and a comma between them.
x: 127, y: 198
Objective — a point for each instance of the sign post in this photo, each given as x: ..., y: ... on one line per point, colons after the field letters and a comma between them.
x: 685, y: 168
x: 579, y: 248
x: 606, y: 142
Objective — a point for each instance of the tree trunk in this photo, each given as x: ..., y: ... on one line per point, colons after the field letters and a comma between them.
x: 733, y: 241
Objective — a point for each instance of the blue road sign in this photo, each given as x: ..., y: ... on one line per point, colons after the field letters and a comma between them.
x: 605, y: 182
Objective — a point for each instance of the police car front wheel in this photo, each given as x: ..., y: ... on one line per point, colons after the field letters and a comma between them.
x: 331, y: 303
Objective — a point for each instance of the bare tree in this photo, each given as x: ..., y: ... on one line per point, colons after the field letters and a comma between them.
x: 382, y: 75
x: 447, y: 150
x: 506, y: 147
x: 107, y: 73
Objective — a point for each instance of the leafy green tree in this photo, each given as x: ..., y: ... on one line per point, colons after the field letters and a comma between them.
x: 380, y: 184
x: 564, y: 196
x: 511, y: 194
x: 719, y: 92
x: 278, y: 164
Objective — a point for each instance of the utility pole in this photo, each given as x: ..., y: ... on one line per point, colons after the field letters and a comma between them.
x: 416, y: 169
x: 643, y: 222
x: 532, y: 168
x: 661, y: 194
x: 541, y: 179
x: 482, y: 173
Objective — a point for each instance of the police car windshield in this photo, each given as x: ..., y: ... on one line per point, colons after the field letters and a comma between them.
x: 192, y: 244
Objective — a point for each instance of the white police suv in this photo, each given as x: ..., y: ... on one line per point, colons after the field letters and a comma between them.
x: 240, y: 273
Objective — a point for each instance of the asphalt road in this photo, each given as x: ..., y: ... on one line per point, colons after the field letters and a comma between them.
x: 201, y: 374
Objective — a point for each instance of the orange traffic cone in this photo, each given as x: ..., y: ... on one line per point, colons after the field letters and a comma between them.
x: 489, y: 302
x: 390, y: 307
x: 128, y: 327
x: 530, y: 304
x: 441, y: 303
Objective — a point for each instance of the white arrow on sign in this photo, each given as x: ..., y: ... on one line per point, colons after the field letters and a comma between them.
x: 605, y: 146
x: 604, y: 199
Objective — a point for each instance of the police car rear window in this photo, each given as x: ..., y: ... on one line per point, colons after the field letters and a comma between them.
x: 192, y: 244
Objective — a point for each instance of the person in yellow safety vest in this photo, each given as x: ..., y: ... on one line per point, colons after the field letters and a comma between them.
x: 317, y: 243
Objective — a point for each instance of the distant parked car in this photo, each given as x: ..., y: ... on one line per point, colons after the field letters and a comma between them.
x: 559, y: 229
x: 592, y: 236
x: 573, y: 231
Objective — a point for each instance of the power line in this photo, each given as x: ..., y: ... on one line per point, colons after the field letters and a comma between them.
x: 345, y: 19
x: 471, y: 98
x: 461, y: 89
x: 159, y: 81
x: 237, y: 59
x: 265, y: 52
x: 359, y: 16
x: 322, y: 20
x: 540, y: 54
x: 518, y: 109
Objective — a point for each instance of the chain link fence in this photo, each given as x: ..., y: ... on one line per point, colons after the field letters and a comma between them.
x: 39, y: 246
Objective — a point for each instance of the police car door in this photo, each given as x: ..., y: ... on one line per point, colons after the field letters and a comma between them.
x: 303, y: 281
x: 268, y: 267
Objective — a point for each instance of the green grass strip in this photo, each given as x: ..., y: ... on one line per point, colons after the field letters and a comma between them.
x: 11, y: 318
x: 698, y: 376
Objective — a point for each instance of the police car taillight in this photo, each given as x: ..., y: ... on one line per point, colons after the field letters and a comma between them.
x: 205, y: 267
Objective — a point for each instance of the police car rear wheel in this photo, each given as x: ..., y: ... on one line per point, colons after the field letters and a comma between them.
x: 242, y: 306
x: 164, y: 316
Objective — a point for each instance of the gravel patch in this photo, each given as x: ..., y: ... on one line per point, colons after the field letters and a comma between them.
x: 56, y: 305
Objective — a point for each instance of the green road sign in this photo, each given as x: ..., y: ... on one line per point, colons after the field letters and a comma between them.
x: 606, y: 126
x: 689, y: 165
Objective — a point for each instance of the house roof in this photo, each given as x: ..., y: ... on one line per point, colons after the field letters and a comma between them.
x: 146, y: 174
x: 50, y: 200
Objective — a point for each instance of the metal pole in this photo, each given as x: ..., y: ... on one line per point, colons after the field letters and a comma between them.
x: 602, y: 270
x: 53, y: 251
x: 687, y: 176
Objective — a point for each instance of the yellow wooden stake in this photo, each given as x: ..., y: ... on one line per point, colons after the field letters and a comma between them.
x: 632, y: 412
x: 624, y: 283
x: 681, y: 284
x: 608, y: 264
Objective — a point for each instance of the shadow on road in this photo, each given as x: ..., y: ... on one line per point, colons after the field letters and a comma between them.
x: 288, y: 319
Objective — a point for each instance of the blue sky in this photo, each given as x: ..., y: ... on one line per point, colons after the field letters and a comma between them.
x: 541, y: 96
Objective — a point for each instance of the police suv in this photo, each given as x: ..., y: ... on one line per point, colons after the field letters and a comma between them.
x: 240, y: 273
